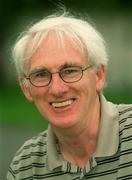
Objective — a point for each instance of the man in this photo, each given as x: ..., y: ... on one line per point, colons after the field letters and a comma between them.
x: 61, y: 63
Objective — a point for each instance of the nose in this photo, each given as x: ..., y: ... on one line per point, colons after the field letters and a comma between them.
x: 57, y: 86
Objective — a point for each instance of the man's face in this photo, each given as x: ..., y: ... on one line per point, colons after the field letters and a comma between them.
x: 77, y: 100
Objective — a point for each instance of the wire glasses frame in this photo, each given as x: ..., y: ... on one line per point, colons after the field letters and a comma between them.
x: 69, y: 74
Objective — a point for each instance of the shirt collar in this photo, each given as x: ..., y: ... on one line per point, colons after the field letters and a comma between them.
x: 53, y: 155
x: 108, y: 139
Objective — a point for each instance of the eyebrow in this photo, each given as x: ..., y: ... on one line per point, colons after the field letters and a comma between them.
x: 71, y: 64
x: 38, y: 69
x: 65, y: 65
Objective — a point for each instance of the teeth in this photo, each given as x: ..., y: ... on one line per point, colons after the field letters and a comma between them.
x: 62, y: 104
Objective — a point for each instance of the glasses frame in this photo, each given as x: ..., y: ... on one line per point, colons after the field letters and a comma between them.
x: 60, y: 75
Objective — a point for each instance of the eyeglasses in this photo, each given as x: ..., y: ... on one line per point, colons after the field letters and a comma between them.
x: 69, y: 74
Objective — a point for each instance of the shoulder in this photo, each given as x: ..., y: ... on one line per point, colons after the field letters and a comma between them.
x: 125, y: 113
x: 125, y: 121
x: 29, y: 155
x: 35, y: 144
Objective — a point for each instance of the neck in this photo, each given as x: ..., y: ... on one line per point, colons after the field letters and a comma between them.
x: 78, y: 150
x: 77, y: 144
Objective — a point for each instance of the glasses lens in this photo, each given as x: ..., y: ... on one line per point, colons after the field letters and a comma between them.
x: 40, y: 78
x: 71, y: 74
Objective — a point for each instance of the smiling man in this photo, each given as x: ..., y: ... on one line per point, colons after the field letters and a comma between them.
x: 61, y: 63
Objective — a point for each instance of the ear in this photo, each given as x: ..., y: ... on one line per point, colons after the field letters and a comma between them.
x: 101, y: 75
x: 25, y: 88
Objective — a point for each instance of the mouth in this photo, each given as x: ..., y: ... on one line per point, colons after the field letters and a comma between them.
x: 62, y: 104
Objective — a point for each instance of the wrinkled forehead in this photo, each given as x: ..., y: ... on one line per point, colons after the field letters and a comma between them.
x: 56, y: 38
x: 52, y: 42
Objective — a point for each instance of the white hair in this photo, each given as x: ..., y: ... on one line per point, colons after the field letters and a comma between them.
x: 80, y: 31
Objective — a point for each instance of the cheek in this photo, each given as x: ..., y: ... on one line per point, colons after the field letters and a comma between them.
x: 38, y: 93
x: 89, y: 92
x: 89, y: 85
x: 40, y: 101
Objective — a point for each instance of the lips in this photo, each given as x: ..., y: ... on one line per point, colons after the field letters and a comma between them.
x: 62, y: 104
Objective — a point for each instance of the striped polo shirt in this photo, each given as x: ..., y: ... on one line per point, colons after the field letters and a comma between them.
x: 40, y: 158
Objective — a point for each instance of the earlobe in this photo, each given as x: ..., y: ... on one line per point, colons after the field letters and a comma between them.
x: 25, y: 88
x: 101, y: 74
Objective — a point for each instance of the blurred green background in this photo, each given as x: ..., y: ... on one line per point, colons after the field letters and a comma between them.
x: 19, y: 120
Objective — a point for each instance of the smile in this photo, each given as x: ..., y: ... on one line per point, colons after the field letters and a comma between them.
x: 62, y: 104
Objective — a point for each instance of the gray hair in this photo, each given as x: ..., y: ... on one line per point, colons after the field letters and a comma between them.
x: 80, y: 31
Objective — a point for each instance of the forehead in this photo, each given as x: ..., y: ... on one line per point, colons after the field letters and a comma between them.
x: 56, y: 50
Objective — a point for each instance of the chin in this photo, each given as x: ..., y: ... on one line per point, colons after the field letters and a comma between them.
x: 63, y: 123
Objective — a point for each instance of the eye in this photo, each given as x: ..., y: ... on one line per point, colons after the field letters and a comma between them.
x: 41, y: 74
x: 70, y: 70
